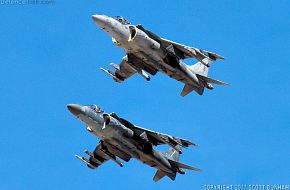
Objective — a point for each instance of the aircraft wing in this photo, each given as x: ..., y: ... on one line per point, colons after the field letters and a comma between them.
x: 102, y: 154
x: 99, y: 156
x: 154, y: 137
x: 183, y: 51
x: 125, y: 70
x: 160, y: 138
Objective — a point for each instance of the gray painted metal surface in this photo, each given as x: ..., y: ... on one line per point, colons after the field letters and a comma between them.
x: 120, y: 139
x: 146, y: 52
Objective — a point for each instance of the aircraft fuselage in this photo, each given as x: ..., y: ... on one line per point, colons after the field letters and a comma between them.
x: 135, y: 41
x: 120, y: 137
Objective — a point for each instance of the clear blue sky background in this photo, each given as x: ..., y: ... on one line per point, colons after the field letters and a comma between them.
x: 51, y: 54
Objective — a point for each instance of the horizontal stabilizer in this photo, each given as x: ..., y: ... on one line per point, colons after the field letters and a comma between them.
x: 211, y: 80
x: 159, y: 175
x: 181, y: 165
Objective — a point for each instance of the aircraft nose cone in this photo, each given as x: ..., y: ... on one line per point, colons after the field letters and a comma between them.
x: 100, y: 20
x: 75, y: 109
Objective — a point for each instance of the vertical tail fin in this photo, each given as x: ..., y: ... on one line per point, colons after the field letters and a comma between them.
x: 201, y: 68
x: 172, y: 153
x: 201, y: 71
x: 172, y: 156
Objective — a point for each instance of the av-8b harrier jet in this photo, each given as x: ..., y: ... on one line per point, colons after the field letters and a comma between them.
x: 121, y: 139
x: 147, y: 52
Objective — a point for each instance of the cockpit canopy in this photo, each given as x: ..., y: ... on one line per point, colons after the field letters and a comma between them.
x: 121, y: 20
x: 96, y: 108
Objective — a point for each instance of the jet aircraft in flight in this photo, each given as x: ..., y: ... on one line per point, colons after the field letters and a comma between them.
x: 121, y: 139
x: 147, y: 52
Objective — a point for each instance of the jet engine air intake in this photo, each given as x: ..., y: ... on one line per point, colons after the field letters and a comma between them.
x: 140, y: 38
x: 133, y: 33
x: 107, y: 120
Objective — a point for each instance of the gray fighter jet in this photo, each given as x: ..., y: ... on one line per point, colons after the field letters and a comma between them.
x: 147, y: 52
x: 121, y: 139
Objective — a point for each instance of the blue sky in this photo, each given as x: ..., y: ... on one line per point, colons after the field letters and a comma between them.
x: 51, y: 54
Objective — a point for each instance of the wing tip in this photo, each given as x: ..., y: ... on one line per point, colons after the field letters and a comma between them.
x: 226, y: 84
x: 189, y: 143
x: 198, y: 170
